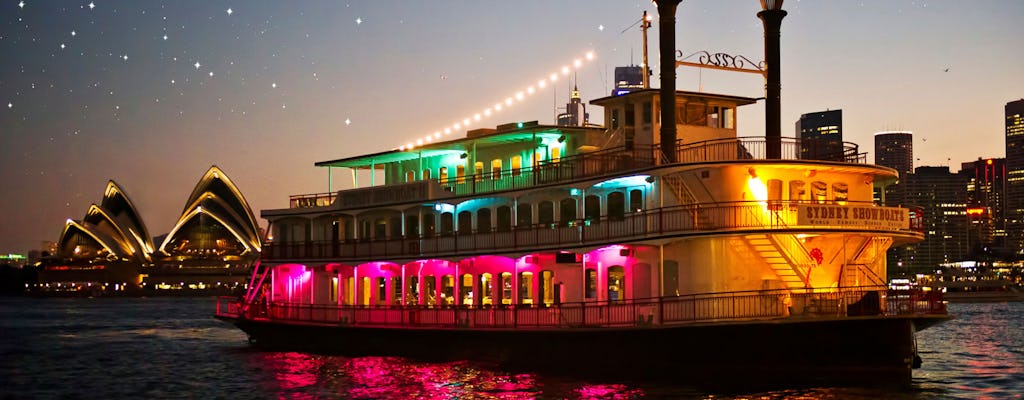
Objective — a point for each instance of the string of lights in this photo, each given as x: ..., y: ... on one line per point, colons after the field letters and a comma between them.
x: 509, y: 101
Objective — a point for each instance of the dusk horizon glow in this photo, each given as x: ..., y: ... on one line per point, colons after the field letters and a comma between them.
x: 151, y: 94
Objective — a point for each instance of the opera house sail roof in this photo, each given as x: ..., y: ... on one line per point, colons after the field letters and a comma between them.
x: 110, y: 231
x: 216, y: 222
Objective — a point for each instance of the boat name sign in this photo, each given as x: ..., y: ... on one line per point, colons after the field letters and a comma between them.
x: 890, y: 218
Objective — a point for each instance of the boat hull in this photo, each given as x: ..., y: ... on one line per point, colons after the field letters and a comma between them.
x: 849, y: 350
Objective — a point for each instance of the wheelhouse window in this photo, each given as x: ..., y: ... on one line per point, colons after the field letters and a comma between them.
x: 496, y: 168
x: 517, y: 165
x: 645, y: 114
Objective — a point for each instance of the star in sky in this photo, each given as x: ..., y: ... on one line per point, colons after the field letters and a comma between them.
x: 197, y: 65
x: 165, y: 37
x: 229, y: 11
x: 92, y: 5
x: 348, y: 121
x: 21, y: 4
x: 73, y: 33
x: 359, y: 21
x: 600, y: 28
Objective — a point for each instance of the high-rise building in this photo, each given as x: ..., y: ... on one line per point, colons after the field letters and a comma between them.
x: 1015, y: 175
x: 575, y: 111
x: 986, y: 214
x: 628, y: 79
x: 821, y: 135
x: 895, y: 149
x: 940, y: 196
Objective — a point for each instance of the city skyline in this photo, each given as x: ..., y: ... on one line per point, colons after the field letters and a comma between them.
x: 150, y: 95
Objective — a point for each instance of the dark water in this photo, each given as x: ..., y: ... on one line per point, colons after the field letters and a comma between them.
x: 172, y: 348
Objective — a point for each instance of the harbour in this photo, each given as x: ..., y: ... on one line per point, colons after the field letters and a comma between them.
x: 162, y: 348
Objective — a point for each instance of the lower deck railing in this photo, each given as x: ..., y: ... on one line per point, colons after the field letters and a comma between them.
x: 809, y: 303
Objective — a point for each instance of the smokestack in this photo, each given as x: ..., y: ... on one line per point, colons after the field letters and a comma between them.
x: 667, y: 42
x: 772, y: 14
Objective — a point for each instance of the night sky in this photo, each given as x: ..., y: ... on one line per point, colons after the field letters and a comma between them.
x: 151, y: 94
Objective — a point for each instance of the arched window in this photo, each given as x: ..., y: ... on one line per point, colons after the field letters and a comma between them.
x: 592, y: 209
x: 840, y: 192
x: 486, y: 289
x: 504, y: 219
x: 367, y: 290
x: 460, y: 174
x: 567, y: 211
x: 412, y: 291
x: 442, y: 174
x: 396, y: 290
x: 380, y: 229
x: 517, y: 165
x: 412, y: 226
x: 556, y: 154
x: 426, y: 174
x: 428, y: 225
x: 547, y: 288
x: 796, y: 191
x: 382, y: 291
x: 819, y: 191
x: 466, y: 289
x: 506, y: 288
x: 478, y: 171
x: 591, y: 283
x: 447, y: 223
x: 524, y: 215
x: 616, y: 206
x: 546, y: 213
x: 526, y: 288
x: 483, y: 220
x: 429, y: 290
x: 496, y: 168
x: 636, y: 200
x: 616, y: 283
x: 396, y: 226
x: 410, y: 176
x: 465, y: 223
x: 447, y: 291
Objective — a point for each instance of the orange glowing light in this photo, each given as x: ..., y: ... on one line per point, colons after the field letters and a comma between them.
x: 975, y: 211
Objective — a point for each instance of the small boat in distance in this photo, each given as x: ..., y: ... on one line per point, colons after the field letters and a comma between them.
x: 605, y: 251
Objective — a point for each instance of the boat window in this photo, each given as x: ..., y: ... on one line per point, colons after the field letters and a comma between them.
x: 412, y: 225
x: 466, y: 289
x: 696, y: 114
x: 616, y: 206
x: 616, y: 283
x: 442, y: 174
x: 819, y: 191
x: 429, y: 290
x: 547, y: 287
x: 396, y: 226
x: 460, y: 174
x: 645, y: 114
x: 483, y: 220
x: 486, y: 289
x: 380, y: 229
x: 447, y: 223
x: 591, y: 283
x: 504, y: 219
x: 526, y: 288
x: 556, y: 154
x: 797, y: 191
x: 636, y: 200
x: 447, y: 290
x: 410, y: 176
x: 506, y: 288
x: 334, y: 289
x: 364, y: 232
x: 629, y: 117
x: 546, y: 213
x: 478, y: 171
x: 538, y: 156
x: 524, y: 215
x: 592, y: 209
x: 428, y: 225
x: 728, y: 115
x: 840, y: 191
x: 349, y: 292
x: 496, y: 168
x: 567, y: 211
x: 367, y: 290
x: 774, y: 192
x: 615, y: 119
x: 412, y: 291
x: 714, y: 117
x: 396, y: 290
x: 671, y: 281
x: 382, y: 291
x: 465, y: 223
x: 426, y: 174
x: 517, y: 165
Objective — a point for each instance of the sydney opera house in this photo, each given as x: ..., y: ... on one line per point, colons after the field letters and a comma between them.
x: 211, y: 246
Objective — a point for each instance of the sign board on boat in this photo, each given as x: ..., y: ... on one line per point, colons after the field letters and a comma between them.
x: 888, y: 218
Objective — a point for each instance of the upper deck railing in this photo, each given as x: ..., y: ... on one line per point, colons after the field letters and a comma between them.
x: 653, y: 223
x: 662, y: 311
x: 617, y: 160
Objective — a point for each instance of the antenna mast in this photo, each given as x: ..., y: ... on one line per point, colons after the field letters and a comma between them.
x: 644, y: 24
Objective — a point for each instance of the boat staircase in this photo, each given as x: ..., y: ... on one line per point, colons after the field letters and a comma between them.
x: 785, y: 255
x: 676, y: 184
x: 857, y: 272
x: 259, y: 275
